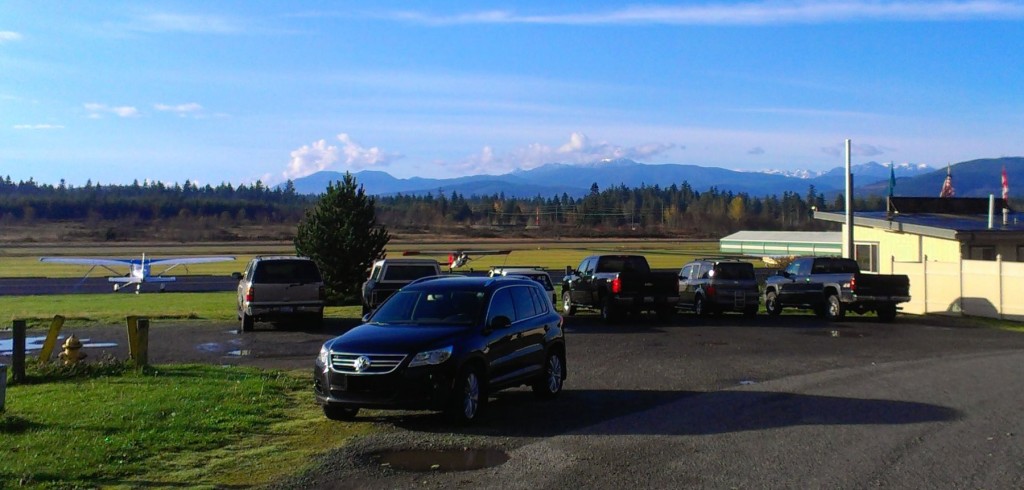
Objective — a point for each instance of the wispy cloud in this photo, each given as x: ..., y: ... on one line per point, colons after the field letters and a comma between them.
x: 38, y: 127
x: 749, y: 13
x: 857, y: 149
x: 187, y: 23
x: 578, y: 149
x: 8, y: 36
x: 757, y: 150
x: 182, y: 110
x: 322, y: 156
x: 97, y: 111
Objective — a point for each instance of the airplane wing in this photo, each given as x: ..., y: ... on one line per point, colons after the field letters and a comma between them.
x: 87, y: 261
x: 457, y: 252
x: 190, y: 260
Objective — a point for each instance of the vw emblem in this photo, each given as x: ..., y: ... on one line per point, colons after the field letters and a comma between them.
x: 362, y: 364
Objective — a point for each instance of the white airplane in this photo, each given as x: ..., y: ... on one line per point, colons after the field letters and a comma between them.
x: 457, y: 258
x: 139, y: 271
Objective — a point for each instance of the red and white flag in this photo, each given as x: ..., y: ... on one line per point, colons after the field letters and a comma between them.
x: 947, y: 186
x: 1006, y: 187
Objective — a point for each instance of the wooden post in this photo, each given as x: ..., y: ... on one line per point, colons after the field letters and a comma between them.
x: 142, y: 343
x: 18, y: 352
x: 132, y: 322
x: 51, y: 339
x: 3, y: 386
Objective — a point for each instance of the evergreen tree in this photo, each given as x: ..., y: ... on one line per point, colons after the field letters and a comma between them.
x: 340, y: 233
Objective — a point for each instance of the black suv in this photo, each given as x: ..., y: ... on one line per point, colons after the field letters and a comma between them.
x: 444, y: 343
x: 711, y: 286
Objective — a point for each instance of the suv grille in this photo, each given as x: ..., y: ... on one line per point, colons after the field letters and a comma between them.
x: 378, y: 363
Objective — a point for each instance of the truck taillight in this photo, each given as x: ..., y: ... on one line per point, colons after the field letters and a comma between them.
x: 710, y: 290
x: 250, y: 294
x: 616, y: 285
x: 853, y: 283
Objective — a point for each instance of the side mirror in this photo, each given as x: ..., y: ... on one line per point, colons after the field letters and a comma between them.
x: 366, y: 317
x: 569, y: 270
x: 782, y: 273
x: 236, y: 275
x: 499, y: 322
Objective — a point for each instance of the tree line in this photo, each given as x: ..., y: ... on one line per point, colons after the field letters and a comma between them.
x: 675, y: 210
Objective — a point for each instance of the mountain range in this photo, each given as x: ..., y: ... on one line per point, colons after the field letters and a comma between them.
x: 973, y: 178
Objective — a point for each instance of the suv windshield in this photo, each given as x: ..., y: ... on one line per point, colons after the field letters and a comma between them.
x: 286, y: 272
x: 448, y: 307
x: 734, y: 271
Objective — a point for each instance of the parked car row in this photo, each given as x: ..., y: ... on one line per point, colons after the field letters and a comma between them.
x: 446, y: 342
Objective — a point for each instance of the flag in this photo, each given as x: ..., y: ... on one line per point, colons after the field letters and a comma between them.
x: 947, y: 186
x: 1006, y: 188
x: 892, y: 180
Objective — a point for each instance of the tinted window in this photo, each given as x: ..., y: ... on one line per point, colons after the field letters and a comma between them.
x: 734, y: 270
x: 448, y: 307
x: 501, y: 305
x: 685, y: 273
x: 523, y: 302
x: 541, y: 302
x: 408, y: 272
x: 541, y: 277
x: 286, y: 272
x: 623, y: 263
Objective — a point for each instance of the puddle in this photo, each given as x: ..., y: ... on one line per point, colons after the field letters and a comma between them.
x: 838, y: 333
x: 33, y: 344
x: 427, y: 460
x: 239, y: 353
x: 747, y: 382
x: 210, y: 347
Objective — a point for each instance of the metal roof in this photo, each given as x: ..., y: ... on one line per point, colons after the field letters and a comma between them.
x: 782, y: 243
x: 787, y: 236
x: 953, y: 227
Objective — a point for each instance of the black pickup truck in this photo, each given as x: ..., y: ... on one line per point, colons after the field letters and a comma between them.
x: 619, y: 284
x: 832, y: 286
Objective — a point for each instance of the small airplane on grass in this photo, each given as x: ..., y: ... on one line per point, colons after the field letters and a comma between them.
x: 139, y: 271
x: 457, y: 258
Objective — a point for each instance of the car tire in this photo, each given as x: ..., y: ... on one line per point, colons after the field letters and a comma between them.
x: 247, y: 322
x: 886, y: 313
x: 834, y: 309
x: 700, y: 308
x: 335, y: 412
x: 549, y: 384
x: 468, y: 397
x: 567, y: 307
x: 771, y: 304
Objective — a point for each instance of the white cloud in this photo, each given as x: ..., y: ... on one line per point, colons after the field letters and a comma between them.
x: 857, y: 149
x: 97, y: 111
x: 319, y: 156
x: 194, y: 24
x: 747, y: 13
x: 182, y: 110
x: 578, y: 149
x: 38, y: 126
x: 8, y: 36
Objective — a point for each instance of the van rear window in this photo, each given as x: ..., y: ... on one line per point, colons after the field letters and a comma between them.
x: 734, y: 271
x: 286, y: 272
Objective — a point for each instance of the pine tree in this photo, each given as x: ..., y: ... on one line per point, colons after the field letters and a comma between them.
x: 340, y: 233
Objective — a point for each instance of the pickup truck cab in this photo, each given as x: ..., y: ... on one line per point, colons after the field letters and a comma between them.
x: 619, y: 284
x: 831, y: 286
x: 389, y: 275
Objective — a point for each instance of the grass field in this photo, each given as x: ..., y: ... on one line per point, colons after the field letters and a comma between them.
x: 23, y: 261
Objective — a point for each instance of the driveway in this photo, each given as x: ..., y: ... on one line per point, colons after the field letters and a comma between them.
x: 729, y: 402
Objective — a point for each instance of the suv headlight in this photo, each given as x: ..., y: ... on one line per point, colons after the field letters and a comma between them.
x: 431, y: 357
x: 324, y: 358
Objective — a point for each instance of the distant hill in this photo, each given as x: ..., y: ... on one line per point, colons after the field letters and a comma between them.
x: 975, y: 178
x: 575, y: 180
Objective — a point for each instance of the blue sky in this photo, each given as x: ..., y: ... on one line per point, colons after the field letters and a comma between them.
x: 238, y: 91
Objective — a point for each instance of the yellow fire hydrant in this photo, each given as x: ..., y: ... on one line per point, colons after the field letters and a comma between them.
x: 71, y: 353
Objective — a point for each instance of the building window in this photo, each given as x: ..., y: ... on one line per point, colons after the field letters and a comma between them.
x: 867, y: 256
x: 984, y: 252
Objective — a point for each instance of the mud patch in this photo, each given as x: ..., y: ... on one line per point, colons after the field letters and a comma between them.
x: 428, y: 460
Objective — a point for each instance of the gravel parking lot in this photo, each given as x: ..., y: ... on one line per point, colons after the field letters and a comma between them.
x: 726, y: 402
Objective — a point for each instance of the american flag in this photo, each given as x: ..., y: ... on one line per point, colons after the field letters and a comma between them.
x: 947, y: 185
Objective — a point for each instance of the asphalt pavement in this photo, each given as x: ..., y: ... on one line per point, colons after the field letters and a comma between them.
x: 729, y: 402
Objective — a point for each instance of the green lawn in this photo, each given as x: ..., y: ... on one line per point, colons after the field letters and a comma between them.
x: 183, y: 425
